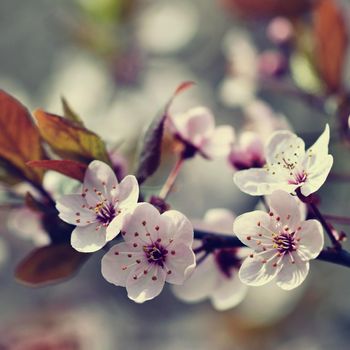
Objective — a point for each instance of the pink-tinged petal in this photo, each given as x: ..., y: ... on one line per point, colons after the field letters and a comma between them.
x: 99, y: 177
x: 73, y: 210
x: 258, y: 182
x: 219, y: 220
x: 178, y: 227
x: 220, y: 142
x: 231, y: 292
x: 144, y: 225
x: 284, y: 145
x: 285, y: 208
x: 311, y: 239
x: 317, y: 175
x: 292, y: 275
x: 254, y: 272
x: 320, y: 148
x: 128, y: 191
x: 89, y: 238
x: 120, y: 261
x: 113, y: 229
x: 253, y: 227
x: 201, y: 283
x: 180, y: 263
x: 143, y: 286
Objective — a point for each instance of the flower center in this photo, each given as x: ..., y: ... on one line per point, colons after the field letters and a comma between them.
x: 105, y: 213
x: 155, y: 253
x: 299, y: 178
x: 227, y: 261
x: 285, y: 242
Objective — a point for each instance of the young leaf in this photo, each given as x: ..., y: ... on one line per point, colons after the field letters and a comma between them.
x: 19, y: 137
x: 150, y: 154
x: 70, y: 140
x: 50, y: 264
x: 70, y: 168
x: 331, y: 42
x: 69, y: 113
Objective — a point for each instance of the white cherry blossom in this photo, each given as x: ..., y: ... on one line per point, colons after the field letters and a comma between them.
x: 288, y: 166
x: 99, y: 210
x: 282, y: 240
x: 216, y: 277
x: 157, y: 249
x: 196, y: 129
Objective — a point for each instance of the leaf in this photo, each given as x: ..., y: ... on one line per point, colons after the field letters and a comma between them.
x: 331, y: 42
x: 50, y: 264
x: 69, y: 139
x: 70, y: 168
x: 19, y: 137
x: 150, y: 154
x: 69, y: 113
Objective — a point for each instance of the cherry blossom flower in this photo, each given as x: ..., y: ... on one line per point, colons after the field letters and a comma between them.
x: 157, y: 249
x: 283, y: 242
x: 196, y: 129
x: 288, y: 166
x: 99, y: 210
x: 216, y: 277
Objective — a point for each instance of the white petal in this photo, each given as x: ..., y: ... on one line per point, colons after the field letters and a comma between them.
x: 284, y: 144
x: 219, y: 220
x: 255, y: 273
x: 117, y: 264
x: 320, y: 147
x: 100, y: 177
x: 180, y: 263
x: 128, y: 191
x: 113, y: 229
x: 249, y: 225
x: 258, y: 182
x: 89, y: 238
x: 311, y: 239
x: 292, y: 275
x: 145, y: 286
x: 72, y: 209
x: 285, y: 206
x: 201, y: 282
x: 179, y: 227
x: 231, y: 292
x: 220, y: 142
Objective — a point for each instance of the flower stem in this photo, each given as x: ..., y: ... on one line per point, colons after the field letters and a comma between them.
x: 337, y: 219
x: 169, y: 183
x: 320, y: 217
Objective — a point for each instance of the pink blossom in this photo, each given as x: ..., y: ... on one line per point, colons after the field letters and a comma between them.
x: 216, y: 277
x: 99, y: 210
x: 196, y: 129
x: 282, y: 240
x: 157, y: 249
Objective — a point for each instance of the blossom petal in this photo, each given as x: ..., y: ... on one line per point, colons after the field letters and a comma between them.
x: 231, y: 292
x: 128, y: 191
x: 201, y: 282
x: 258, y: 182
x: 179, y: 227
x: 249, y: 225
x: 220, y: 142
x: 219, y: 220
x: 114, y: 227
x: 72, y: 209
x: 180, y: 263
x: 145, y: 286
x: 254, y: 272
x: 292, y: 275
x: 120, y: 261
x: 311, y: 239
x: 285, y: 207
x: 99, y: 177
x: 89, y: 238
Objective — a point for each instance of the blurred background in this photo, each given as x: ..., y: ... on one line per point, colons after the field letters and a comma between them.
x: 259, y: 65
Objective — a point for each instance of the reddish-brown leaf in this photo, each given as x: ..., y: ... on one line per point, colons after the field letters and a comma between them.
x: 331, y: 42
x: 69, y: 139
x: 19, y: 137
x: 71, y: 168
x: 50, y: 264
